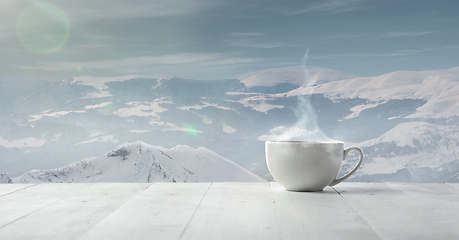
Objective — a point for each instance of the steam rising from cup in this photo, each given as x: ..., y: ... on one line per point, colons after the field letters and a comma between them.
x: 306, y: 127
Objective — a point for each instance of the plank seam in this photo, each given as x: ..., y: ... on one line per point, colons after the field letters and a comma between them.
x: 355, y: 210
x: 36, y: 210
x: 114, y: 211
x: 18, y: 190
x: 421, y: 201
x: 191, y: 218
x: 275, y: 210
x: 148, y: 187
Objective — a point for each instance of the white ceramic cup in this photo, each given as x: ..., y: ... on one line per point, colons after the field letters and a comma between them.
x: 307, y: 165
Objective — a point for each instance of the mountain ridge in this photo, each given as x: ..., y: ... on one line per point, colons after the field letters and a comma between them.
x: 296, y: 75
x: 141, y: 162
x: 66, y: 121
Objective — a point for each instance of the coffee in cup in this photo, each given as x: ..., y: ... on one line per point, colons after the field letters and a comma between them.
x: 307, y: 165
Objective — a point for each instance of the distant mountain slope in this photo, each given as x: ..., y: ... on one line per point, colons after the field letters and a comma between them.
x: 411, y: 152
x: 440, y: 88
x: 13, y: 90
x: 5, y: 178
x: 297, y: 75
x: 141, y: 162
x: 63, y: 122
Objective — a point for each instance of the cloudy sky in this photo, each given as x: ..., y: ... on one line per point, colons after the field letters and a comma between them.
x: 215, y: 39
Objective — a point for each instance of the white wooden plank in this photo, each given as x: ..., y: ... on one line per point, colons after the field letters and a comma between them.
x: 318, y: 215
x: 454, y: 185
x: 20, y: 203
x: 160, y: 212
x: 439, y: 204
x: 9, y: 188
x: 395, y: 214
x: 73, y: 215
x: 231, y: 211
x: 235, y: 211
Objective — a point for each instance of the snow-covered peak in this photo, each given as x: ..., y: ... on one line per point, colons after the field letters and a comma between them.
x: 411, y: 145
x: 298, y: 75
x: 415, y: 134
x: 141, y: 162
x: 5, y: 178
x: 439, y: 88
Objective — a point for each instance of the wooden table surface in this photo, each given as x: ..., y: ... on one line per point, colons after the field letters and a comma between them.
x: 228, y: 211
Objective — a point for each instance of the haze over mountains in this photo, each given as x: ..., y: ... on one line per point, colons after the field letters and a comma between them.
x: 405, y: 122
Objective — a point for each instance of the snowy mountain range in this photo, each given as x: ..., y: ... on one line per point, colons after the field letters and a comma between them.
x: 140, y: 162
x: 406, y: 122
x: 411, y: 152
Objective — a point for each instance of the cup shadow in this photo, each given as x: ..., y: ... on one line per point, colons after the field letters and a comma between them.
x: 361, y: 190
x: 326, y: 190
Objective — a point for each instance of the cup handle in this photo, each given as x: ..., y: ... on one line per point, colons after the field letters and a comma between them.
x: 346, y: 152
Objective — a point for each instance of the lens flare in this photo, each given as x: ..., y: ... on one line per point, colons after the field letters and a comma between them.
x: 42, y: 28
x: 108, y: 109
x: 190, y: 130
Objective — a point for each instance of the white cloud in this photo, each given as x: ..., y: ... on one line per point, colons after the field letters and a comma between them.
x: 138, y: 131
x: 92, y: 10
x: 134, y: 64
x: 203, y: 105
x: 332, y: 7
x: 375, y: 35
x: 396, y: 53
x: 100, y: 94
x: 228, y: 129
x: 53, y: 114
x: 255, y: 43
x: 108, y: 138
x: 99, y: 83
x: 142, y: 109
x: 405, y: 34
x: 96, y: 10
x: 258, y: 103
x: 247, y: 34
x: 20, y: 143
